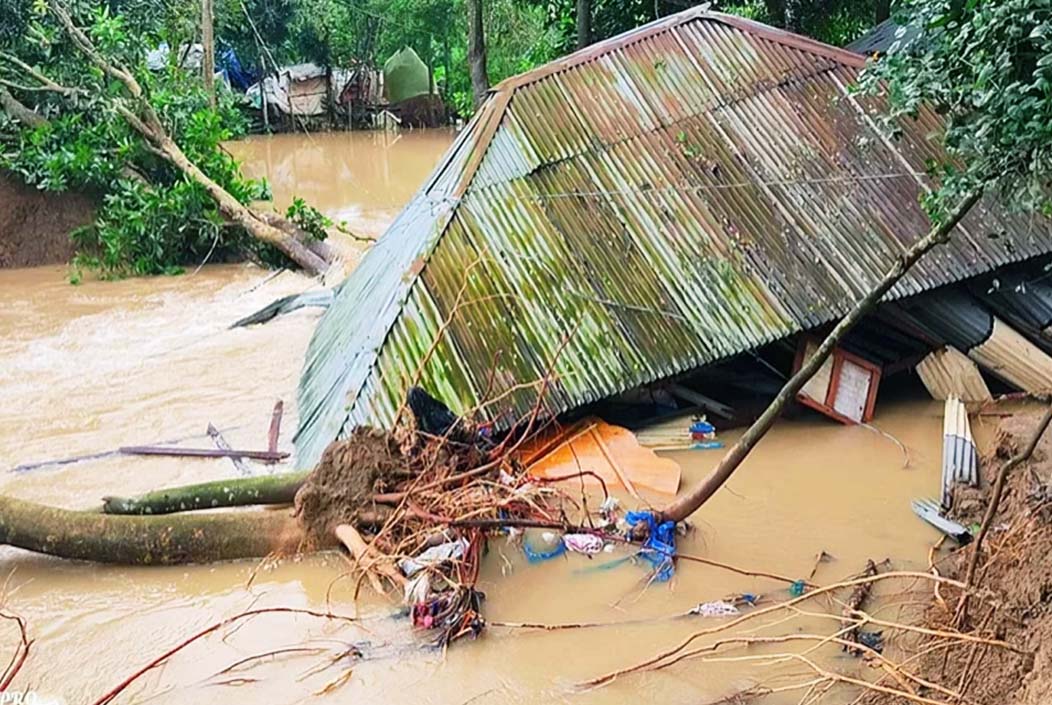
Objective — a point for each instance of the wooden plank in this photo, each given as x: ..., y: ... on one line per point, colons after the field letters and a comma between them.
x: 707, y: 403
x: 668, y: 434
x: 263, y: 455
x: 275, y: 426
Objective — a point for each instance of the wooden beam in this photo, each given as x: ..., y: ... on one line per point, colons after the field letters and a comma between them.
x: 707, y: 403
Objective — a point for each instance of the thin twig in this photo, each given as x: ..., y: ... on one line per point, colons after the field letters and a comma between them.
x: 120, y: 687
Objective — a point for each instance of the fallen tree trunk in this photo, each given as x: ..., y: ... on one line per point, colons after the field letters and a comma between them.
x: 269, y: 489
x: 687, y: 504
x: 311, y: 255
x: 155, y: 540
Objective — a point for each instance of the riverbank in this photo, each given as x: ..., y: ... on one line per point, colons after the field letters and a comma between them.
x: 35, y: 226
x: 1014, y: 578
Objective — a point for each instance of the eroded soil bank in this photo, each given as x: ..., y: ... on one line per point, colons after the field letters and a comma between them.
x: 35, y: 226
x: 1015, y: 576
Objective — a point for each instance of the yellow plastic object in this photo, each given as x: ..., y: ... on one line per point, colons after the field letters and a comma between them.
x: 611, y: 452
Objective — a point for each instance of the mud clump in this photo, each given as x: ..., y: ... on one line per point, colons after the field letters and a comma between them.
x: 343, y: 484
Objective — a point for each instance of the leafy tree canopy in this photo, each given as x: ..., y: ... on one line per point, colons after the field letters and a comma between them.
x: 151, y: 219
x: 987, y: 68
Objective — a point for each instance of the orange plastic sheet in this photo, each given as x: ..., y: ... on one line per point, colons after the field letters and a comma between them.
x: 611, y: 452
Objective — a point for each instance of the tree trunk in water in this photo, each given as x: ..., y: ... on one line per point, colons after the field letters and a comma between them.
x: 268, y: 489
x: 145, y: 121
x: 687, y: 504
x: 793, y: 10
x: 240, y: 214
x: 477, y: 52
x: 160, y: 540
x: 208, y: 58
x: 584, y: 23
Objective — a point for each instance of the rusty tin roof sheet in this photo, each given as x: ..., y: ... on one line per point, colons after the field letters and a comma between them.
x: 681, y: 193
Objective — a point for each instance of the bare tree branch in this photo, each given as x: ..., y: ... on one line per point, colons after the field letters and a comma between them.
x: 13, y: 107
x: 46, y: 84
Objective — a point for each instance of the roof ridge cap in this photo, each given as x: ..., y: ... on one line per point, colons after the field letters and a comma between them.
x: 663, y: 24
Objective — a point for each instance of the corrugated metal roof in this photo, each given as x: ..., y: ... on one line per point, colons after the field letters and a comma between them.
x: 879, y: 39
x: 684, y: 192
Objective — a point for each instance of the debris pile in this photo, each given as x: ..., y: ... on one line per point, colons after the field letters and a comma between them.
x: 414, y: 508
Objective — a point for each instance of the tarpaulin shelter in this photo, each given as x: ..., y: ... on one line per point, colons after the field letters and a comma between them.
x: 405, y: 76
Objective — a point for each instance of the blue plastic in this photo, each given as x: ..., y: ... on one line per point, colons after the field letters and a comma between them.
x: 702, y: 427
x: 798, y: 588
x: 660, y: 548
x: 541, y: 556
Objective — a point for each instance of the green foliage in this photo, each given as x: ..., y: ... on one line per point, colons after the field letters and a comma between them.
x: 987, y: 68
x: 151, y: 220
x: 520, y: 35
x: 835, y: 23
x: 308, y: 218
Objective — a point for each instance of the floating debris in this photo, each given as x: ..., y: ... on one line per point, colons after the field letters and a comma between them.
x: 930, y: 511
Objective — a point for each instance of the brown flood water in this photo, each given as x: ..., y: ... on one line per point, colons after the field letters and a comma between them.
x: 92, y: 367
x: 363, y: 178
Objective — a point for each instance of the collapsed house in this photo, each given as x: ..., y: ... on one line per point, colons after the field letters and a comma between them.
x: 650, y: 206
x: 299, y: 91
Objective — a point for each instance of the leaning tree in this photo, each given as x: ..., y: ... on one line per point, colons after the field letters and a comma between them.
x: 79, y: 108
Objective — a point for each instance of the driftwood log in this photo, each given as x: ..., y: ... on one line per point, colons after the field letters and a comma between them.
x: 152, y: 540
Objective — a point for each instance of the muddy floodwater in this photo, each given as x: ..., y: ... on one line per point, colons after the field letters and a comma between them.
x: 363, y: 178
x: 89, y: 368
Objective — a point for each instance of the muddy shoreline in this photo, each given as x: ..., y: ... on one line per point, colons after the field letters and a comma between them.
x: 1014, y: 580
x: 35, y: 226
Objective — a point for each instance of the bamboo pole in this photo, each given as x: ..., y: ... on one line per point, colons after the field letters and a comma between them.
x: 266, y: 489
x: 687, y: 504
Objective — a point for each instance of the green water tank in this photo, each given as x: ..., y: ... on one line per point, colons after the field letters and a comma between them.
x: 405, y: 76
